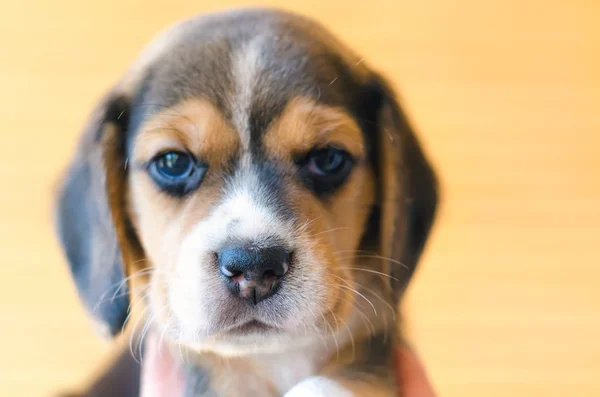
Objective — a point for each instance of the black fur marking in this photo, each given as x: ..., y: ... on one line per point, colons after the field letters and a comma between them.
x: 272, y: 191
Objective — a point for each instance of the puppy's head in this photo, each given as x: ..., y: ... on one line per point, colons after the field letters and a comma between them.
x: 250, y: 177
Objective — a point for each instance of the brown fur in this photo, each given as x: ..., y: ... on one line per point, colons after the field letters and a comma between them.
x: 305, y: 124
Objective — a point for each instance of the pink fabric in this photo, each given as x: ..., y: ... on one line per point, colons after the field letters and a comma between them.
x: 162, y: 376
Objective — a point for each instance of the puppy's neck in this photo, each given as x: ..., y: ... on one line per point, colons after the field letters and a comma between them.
x: 263, y: 374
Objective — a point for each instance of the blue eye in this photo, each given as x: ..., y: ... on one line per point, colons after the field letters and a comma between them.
x: 174, y: 165
x: 324, y: 170
x: 176, y: 173
x: 326, y: 161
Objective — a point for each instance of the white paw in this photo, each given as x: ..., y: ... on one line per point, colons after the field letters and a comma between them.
x: 318, y: 386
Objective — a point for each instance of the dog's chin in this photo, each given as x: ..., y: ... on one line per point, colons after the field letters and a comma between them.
x: 250, y: 338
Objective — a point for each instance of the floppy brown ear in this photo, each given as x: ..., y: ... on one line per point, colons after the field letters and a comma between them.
x: 408, y: 188
x: 90, y: 218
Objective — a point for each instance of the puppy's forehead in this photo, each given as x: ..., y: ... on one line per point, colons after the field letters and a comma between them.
x: 249, y: 64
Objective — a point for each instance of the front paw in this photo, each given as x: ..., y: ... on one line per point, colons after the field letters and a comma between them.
x: 319, y: 386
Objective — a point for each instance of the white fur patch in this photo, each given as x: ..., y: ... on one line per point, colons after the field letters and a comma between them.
x: 246, y: 65
x: 241, y: 217
x: 319, y: 386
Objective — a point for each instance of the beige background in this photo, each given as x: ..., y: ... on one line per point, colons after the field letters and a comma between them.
x: 504, y: 93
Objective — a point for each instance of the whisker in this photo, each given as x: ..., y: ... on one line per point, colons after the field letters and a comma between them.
x: 119, y: 284
x: 133, y: 335
x: 360, y: 269
x: 354, y: 252
x: 164, y: 330
x: 330, y: 230
x: 147, y: 325
x: 376, y: 295
x: 308, y: 223
x: 317, y: 330
x: 145, y: 329
x: 397, y: 262
x: 337, y: 346
x: 138, y: 294
x: 365, y: 318
x: 351, y: 339
x: 138, y: 298
x: 337, y: 331
x: 355, y: 291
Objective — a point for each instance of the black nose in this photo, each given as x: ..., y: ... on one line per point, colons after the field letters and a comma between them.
x: 253, y: 273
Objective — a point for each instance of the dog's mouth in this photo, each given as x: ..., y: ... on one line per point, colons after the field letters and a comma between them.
x: 250, y: 327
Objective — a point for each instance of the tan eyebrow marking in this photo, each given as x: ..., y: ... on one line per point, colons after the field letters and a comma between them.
x: 305, y: 124
x: 194, y: 125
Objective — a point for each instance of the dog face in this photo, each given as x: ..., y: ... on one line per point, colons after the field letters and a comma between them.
x: 257, y: 228
x: 253, y: 178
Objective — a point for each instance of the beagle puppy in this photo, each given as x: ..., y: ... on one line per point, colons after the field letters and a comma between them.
x: 256, y: 187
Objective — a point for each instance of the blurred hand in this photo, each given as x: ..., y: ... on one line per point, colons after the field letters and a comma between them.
x: 412, y: 376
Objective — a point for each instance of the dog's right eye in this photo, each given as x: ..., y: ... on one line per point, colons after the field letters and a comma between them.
x: 176, y: 173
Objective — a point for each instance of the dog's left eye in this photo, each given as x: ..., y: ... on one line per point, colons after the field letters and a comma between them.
x: 326, y: 161
x: 174, y: 165
x: 326, y: 169
x: 176, y: 173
